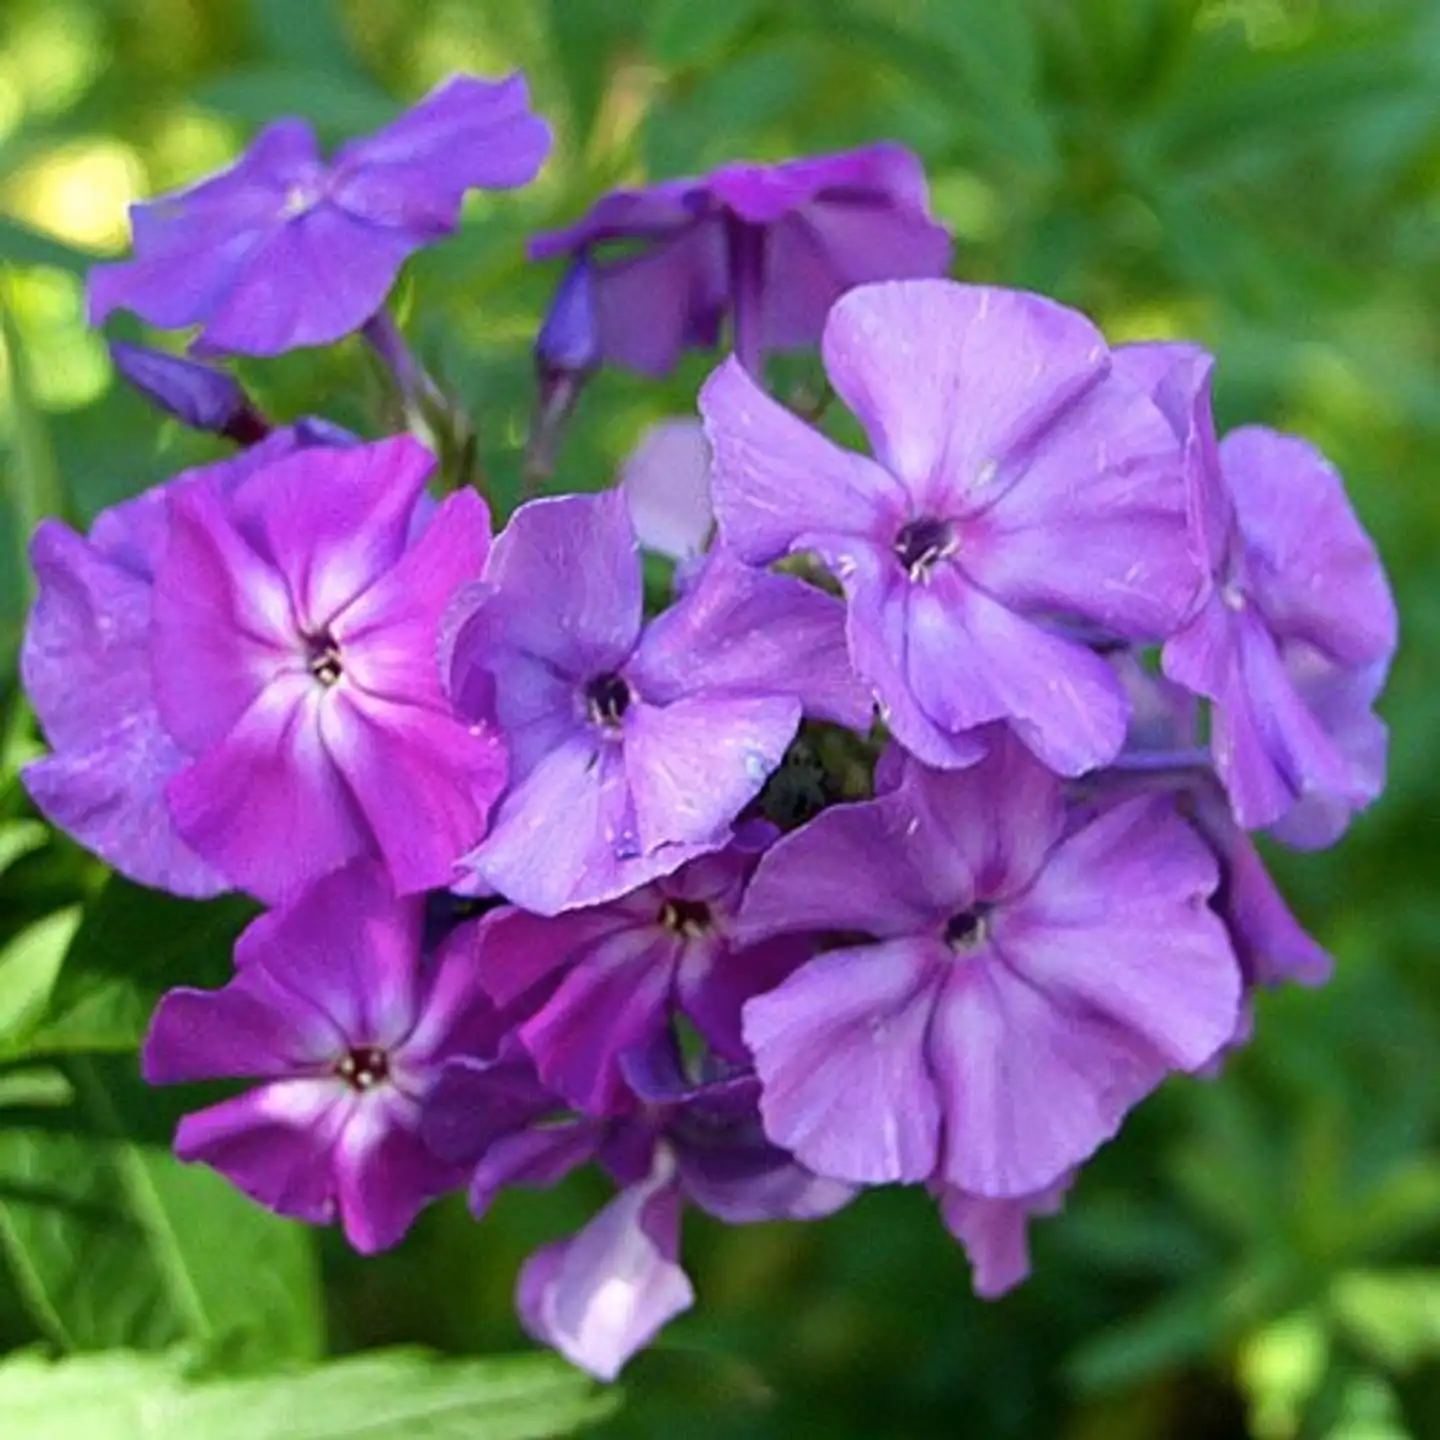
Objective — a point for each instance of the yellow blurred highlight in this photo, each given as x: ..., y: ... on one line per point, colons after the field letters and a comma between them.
x: 69, y: 366
x: 51, y: 55
x: 1280, y: 1369
x: 79, y: 192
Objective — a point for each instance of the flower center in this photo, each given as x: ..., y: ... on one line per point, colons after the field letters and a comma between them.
x: 607, y: 698
x: 969, y: 929
x: 687, y: 918
x: 323, y: 656
x: 363, y: 1067
x: 923, y: 543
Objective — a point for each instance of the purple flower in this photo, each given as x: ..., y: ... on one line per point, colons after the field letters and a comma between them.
x: 616, y: 973
x: 993, y: 1232
x: 1294, y: 636
x: 601, y: 1295
x: 633, y: 747
x: 285, y: 249
x: 666, y: 482
x: 773, y: 246
x: 1027, y: 984
x: 295, y: 636
x: 1019, y: 475
x: 335, y: 1010
x: 196, y: 395
x: 86, y: 664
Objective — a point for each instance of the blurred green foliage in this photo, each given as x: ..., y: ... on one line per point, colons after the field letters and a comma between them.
x: 1258, y: 1255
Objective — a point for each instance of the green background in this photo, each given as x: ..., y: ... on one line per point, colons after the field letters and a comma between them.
x: 1257, y: 1255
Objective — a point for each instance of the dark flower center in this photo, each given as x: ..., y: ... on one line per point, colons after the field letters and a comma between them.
x: 607, y: 698
x: 688, y: 918
x: 364, y: 1067
x: 968, y: 929
x: 923, y: 543
x: 323, y: 655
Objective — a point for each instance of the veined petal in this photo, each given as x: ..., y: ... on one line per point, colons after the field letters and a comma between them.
x: 312, y: 280
x: 948, y: 379
x: 748, y: 630
x: 334, y: 521
x: 774, y: 478
x: 840, y: 1052
x: 601, y: 1296
x: 467, y: 133
x: 1092, y: 520
x: 695, y: 764
x: 1313, y: 569
x: 223, y: 625
x: 347, y: 948
x: 566, y: 572
x: 1117, y: 925
x: 275, y: 1143
x: 1029, y: 1086
x: 266, y: 805
x: 384, y: 1176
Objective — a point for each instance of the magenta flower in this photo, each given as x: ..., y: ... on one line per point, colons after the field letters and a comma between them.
x: 1027, y: 984
x: 285, y: 249
x: 771, y: 246
x: 618, y: 971
x: 347, y: 1026
x: 633, y: 747
x: 295, y: 642
x: 1295, y: 634
x: 86, y: 664
x: 1018, y: 476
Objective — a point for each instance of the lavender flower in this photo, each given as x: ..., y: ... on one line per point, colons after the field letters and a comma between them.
x: 771, y: 246
x: 601, y: 1295
x: 285, y: 250
x: 1018, y: 476
x: 1298, y: 625
x: 994, y: 1232
x: 632, y: 747
x: 295, y: 634
x: 1027, y: 985
x: 335, y: 1010
x: 617, y: 973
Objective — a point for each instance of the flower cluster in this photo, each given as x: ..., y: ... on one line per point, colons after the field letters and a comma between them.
x: 908, y: 841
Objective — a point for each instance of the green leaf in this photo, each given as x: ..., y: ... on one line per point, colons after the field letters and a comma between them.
x: 29, y: 965
x: 134, y: 944
x: 679, y: 32
x: 22, y: 245
x: 381, y: 1396
x: 1394, y: 1315
x: 113, y: 1242
x: 337, y: 105
x: 32, y: 488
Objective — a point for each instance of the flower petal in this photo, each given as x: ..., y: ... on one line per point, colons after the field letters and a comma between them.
x: 604, y: 1294
x: 695, y: 764
x: 272, y: 776
x: 948, y: 379
x: 775, y: 479
x: 840, y: 1052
